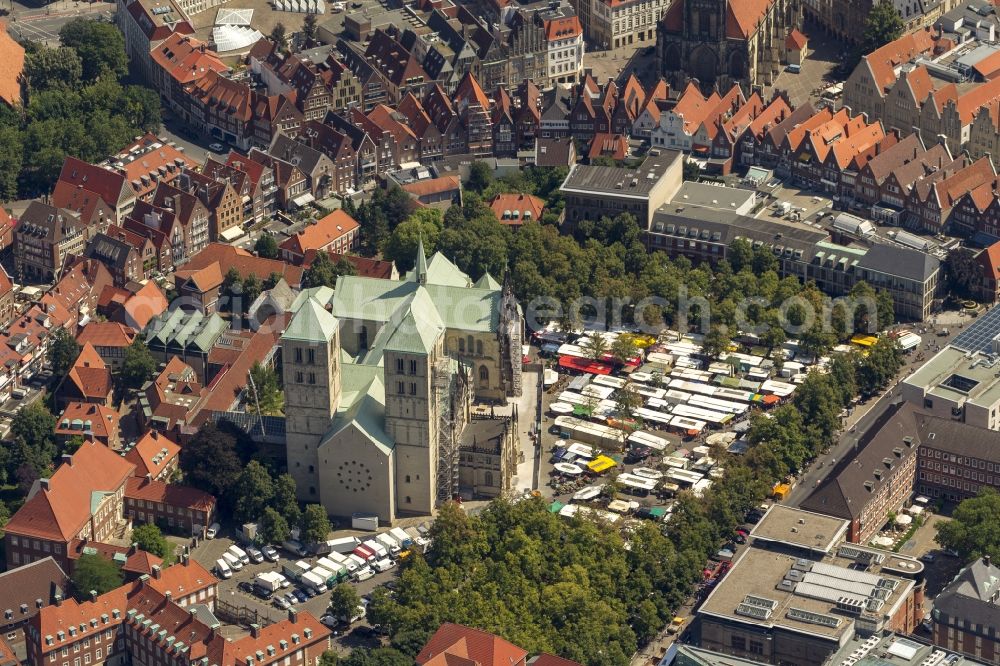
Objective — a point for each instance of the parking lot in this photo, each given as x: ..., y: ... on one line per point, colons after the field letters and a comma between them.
x: 208, y: 551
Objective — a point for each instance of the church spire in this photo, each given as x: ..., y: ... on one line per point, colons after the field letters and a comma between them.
x: 420, y: 270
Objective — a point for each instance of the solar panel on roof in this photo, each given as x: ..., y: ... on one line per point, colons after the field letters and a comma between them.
x: 979, y: 335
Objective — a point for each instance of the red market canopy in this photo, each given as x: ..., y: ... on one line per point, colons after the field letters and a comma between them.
x: 584, y: 365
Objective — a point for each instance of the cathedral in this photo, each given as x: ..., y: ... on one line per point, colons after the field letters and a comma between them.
x: 379, y: 379
x: 722, y: 42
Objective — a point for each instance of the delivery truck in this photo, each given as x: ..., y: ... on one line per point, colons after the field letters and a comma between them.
x: 295, y: 570
x: 359, y: 562
x: 377, y: 548
x: 313, y: 582
x: 390, y: 543
x: 269, y: 581
x: 404, y: 539
x: 365, y: 553
x: 324, y: 574
x: 344, y: 560
x: 239, y: 553
x: 336, y: 569
x: 343, y: 545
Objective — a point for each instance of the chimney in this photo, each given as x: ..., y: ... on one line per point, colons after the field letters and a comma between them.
x: 255, y: 630
x: 156, y: 571
x: 44, y: 484
x: 185, y: 559
x: 68, y: 459
x: 986, y: 560
x: 93, y: 595
x: 293, y: 615
x: 57, y: 600
x: 133, y: 548
x: 168, y: 595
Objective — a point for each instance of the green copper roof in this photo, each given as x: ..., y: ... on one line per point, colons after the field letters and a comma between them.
x: 322, y: 294
x: 311, y: 323
x: 441, y: 271
x: 420, y: 270
x: 487, y: 282
x: 362, y: 406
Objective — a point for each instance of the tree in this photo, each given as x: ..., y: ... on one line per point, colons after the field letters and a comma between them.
x: 269, y: 397
x: 974, y: 530
x: 716, y: 341
x: 47, y: 68
x: 251, y: 492
x: 279, y: 35
x: 344, y: 601
x: 323, y: 272
x: 101, y: 47
x: 63, y: 352
x: 691, y: 170
x: 627, y: 400
x: 251, y: 290
x: 138, y: 365
x: 480, y: 176
x: 266, y: 246
x: 34, y: 446
x: 272, y: 526
x: 315, y: 525
x: 309, y: 28
x: 142, y: 108
x: 883, y: 25
x: 210, y: 462
x: 383, y: 656
x: 94, y: 573
x: 424, y: 225
x: 624, y: 348
x: 594, y: 346
x: 149, y: 538
x: 962, y: 271
x: 284, y: 500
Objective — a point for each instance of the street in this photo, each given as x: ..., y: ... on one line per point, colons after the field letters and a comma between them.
x: 42, y: 24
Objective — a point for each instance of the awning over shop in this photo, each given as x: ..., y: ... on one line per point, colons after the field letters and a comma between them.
x: 231, y: 234
x: 303, y: 199
x: 600, y: 464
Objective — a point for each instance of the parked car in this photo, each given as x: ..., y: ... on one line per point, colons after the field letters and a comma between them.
x: 363, y: 574
x: 280, y: 603
x: 262, y: 593
x: 291, y: 599
x: 212, y: 530
x: 245, y: 586
x: 270, y: 553
x: 300, y: 595
x: 928, y: 558
x: 255, y: 555
x: 216, y: 147
x: 329, y: 621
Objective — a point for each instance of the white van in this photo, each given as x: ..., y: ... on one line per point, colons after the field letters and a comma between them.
x: 233, y: 561
x: 239, y: 554
x: 222, y: 569
x: 363, y: 574
x: 384, y: 565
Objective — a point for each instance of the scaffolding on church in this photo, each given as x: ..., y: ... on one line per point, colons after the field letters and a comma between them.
x: 445, y: 383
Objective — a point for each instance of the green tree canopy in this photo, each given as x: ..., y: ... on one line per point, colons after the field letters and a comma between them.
x: 269, y: 395
x: 273, y: 528
x: 150, y: 539
x: 266, y: 247
x: 974, y: 529
x: 426, y: 225
x: 344, y: 602
x: 594, y: 346
x: 94, y: 573
x: 210, y: 461
x: 883, y: 25
x: 63, y: 352
x: 34, y: 449
x: 314, y: 524
x: 46, y: 69
x: 480, y: 176
x: 138, y: 366
x: 101, y: 47
x: 283, y: 501
x: 962, y: 271
x: 323, y: 272
x: 251, y: 492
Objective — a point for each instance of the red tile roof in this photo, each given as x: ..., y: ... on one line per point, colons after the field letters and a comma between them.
x: 481, y: 647
x: 150, y: 490
x: 106, y: 334
x: 563, y: 28
x: 141, y: 562
x: 743, y: 17
x: 439, y: 185
x: 107, y: 184
x: 203, y: 279
x: 883, y: 61
x: 145, y: 304
x: 152, y: 454
x: 182, y: 579
x: 90, y: 375
x: 796, y: 41
x: 53, y: 619
x: 12, y: 57
x: 244, y: 262
x: 85, y: 418
x: 365, y: 267
x: 614, y: 146
x: 151, y: 166
x: 527, y: 207
x: 62, y: 510
x: 321, y: 235
x: 186, y: 59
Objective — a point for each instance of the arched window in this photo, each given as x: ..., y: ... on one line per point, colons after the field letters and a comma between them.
x: 468, y: 343
x: 484, y: 376
x: 461, y: 345
x: 479, y: 347
x: 488, y: 478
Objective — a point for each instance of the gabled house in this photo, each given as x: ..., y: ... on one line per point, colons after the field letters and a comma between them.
x: 109, y: 185
x: 337, y: 147
x: 88, y: 381
x: 317, y: 167
x: 337, y: 232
